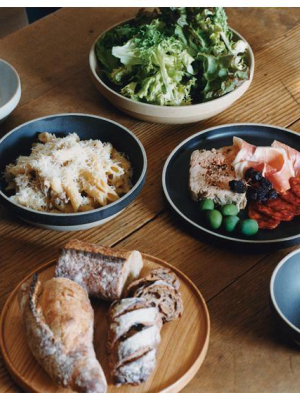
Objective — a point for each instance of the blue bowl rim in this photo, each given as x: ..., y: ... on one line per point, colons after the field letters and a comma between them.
x: 202, y: 228
x: 272, y: 294
x: 121, y: 199
x: 18, y: 84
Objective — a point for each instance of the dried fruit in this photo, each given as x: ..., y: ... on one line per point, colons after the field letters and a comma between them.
x: 237, y: 186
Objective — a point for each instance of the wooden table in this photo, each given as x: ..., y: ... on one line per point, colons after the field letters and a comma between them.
x: 246, y: 352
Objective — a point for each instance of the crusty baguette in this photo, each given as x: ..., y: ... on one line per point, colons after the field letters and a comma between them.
x: 59, y: 319
x: 133, y: 339
x: 102, y: 271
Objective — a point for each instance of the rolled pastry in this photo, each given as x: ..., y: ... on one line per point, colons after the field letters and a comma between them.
x: 133, y: 339
x: 59, y: 325
x: 104, y: 272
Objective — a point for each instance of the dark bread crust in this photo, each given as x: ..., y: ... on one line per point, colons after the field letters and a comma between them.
x: 102, y: 271
x: 105, y: 252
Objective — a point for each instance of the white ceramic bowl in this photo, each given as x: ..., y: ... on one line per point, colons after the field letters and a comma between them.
x: 168, y: 114
x: 10, y: 89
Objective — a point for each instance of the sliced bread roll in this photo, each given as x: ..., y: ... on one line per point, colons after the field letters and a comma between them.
x: 133, y: 339
x: 160, y: 289
x: 158, y: 274
x: 102, y: 271
x: 164, y: 297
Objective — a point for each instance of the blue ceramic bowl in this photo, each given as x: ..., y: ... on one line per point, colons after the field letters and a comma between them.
x: 10, y: 89
x: 285, y: 294
x: 20, y: 139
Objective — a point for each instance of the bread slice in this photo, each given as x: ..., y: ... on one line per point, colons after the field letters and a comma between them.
x: 160, y: 289
x: 162, y: 274
x: 104, y: 272
x: 133, y: 339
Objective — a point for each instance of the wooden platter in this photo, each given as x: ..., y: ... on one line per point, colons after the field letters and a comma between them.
x: 177, y: 362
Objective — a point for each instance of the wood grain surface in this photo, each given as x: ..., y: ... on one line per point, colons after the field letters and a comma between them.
x: 247, y: 353
x: 169, y: 375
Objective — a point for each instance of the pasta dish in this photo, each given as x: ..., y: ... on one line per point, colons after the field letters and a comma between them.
x: 65, y: 175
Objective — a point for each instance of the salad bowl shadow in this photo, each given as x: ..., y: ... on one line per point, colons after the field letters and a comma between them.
x: 168, y: 114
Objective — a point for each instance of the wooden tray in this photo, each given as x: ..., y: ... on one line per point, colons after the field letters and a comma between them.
x: 180, y: 355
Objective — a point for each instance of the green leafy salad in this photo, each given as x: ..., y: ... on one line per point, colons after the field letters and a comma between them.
x: 173, y: 56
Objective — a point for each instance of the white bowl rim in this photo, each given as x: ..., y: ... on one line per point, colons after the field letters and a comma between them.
x: 272, y: 295
x: 8, y: 103
x: 64, y: 215
x: 156, y: 106
x: 202, y: 228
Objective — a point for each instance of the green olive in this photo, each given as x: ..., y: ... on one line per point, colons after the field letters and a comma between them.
x: 206, y: 205
x: 230, y: 223
x: 229, y: 210
x: 249, y: 227
x: 214, y: 219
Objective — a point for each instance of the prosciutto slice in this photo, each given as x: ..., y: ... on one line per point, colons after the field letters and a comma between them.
x: 276, y: 162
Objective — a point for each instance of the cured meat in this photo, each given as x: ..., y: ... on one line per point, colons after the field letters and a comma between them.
x: 253, y: 213
x: 268, y: 215
x: 246, y: 150
x: 59, y: 324
x: 102, y: 271
x: 273, y: 162
x: 295, y: 186
x: 293, y: 155
x: 264, y: 221
x: 280, y: 204
x: 281, y: 215
x: 290, y: 198
x: 133, y: 339
x: 268, y: 223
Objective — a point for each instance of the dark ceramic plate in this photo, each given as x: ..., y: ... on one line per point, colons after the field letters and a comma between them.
x: 176, y: 174
x: 19, y: 141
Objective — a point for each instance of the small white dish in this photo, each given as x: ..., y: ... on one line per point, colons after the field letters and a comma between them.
x: 168, y: 114
x: 10, y: 89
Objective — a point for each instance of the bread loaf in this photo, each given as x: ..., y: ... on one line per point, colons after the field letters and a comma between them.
x: 102, y: 271
x: 59, y: 323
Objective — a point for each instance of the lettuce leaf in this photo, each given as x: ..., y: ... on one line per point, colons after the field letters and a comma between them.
x: 174, y: 56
